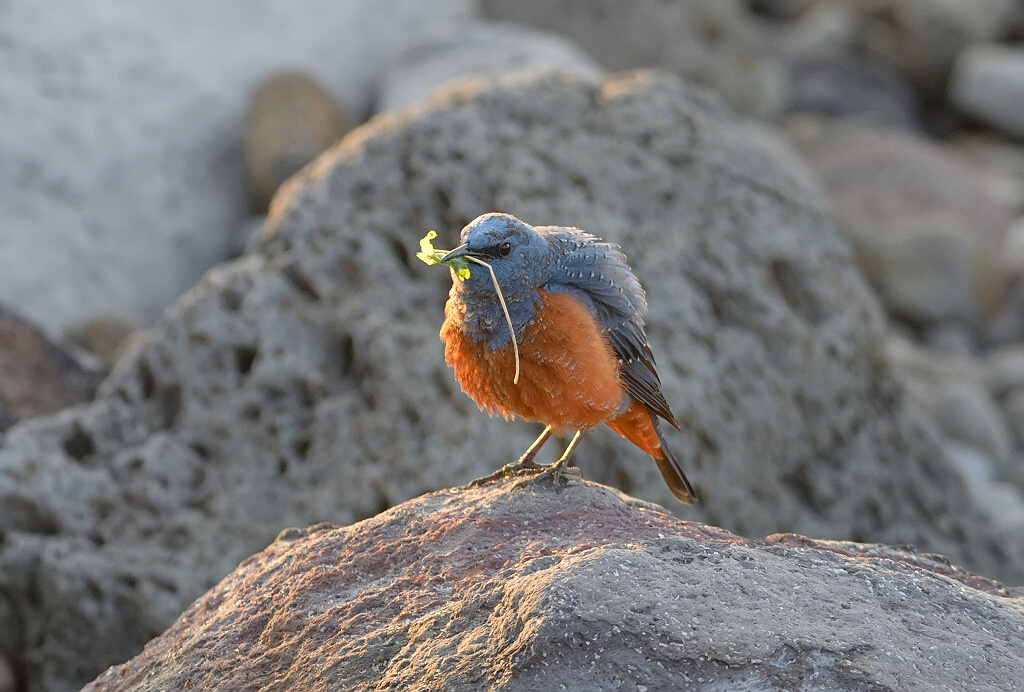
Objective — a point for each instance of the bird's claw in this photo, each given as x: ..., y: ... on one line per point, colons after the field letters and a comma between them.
x: 517, y: 467
x: 556, y: 473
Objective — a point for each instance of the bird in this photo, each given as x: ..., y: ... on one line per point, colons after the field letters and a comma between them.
x: 580, y: 356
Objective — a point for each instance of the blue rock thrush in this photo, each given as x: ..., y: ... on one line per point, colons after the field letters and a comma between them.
x: 578, y: 314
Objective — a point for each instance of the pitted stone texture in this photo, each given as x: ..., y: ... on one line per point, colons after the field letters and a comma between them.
x: 305, y: 381
x: 572, y: 588
x: 121, y: 166
x: 481, y: 49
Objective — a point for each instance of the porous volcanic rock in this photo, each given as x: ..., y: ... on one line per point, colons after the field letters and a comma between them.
x: 577, y: 588
x: 305, y: 381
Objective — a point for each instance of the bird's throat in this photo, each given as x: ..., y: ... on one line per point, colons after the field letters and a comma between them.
x: 481, y: 318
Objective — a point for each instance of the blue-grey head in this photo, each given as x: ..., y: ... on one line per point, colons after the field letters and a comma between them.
x: 519, y: 255
x: 521, y: 258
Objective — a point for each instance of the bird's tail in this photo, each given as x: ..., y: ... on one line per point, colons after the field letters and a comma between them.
x: 638, y: 425
x: 672, y: 471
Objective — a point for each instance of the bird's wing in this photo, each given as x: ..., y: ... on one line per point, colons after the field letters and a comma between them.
x: 598, y: 270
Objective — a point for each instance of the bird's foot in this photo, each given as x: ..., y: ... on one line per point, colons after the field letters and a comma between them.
x: 524, y: 464
x: 556, y: 473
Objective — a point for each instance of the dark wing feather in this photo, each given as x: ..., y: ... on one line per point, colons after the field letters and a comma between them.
x: 638, y: 373
x: 599, y: 271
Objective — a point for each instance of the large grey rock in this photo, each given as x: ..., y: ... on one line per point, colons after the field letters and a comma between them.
x: 121, y: 144
x: 305, y: 381
x: 926, y: 235
x: 575, y: 589
x: 481, y: 49
x: 710, y: 42
x: 988, y: 83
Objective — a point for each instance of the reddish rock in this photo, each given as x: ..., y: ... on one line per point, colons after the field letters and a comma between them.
x: 37, y: 377
x: 578, y: 587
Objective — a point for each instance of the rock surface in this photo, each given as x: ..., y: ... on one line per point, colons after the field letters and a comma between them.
x: 927, y: 236
x: 922, y: 38
x: 7, y: 680
x: 988, y: 83
x: 305, y: 381
x: 577, y: 588
x: 37, y: 376
x: 292, y: 121
x: 121, y: 148
x: 477, y: 49
x: 706, y: 41
x: 849, y: 88
x: 970, y: 416
x: 105, y: 337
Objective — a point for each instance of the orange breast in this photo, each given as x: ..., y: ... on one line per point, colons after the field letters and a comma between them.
x: 568, y: 370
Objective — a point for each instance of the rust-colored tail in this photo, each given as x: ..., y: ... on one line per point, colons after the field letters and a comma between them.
x: 638, y: 425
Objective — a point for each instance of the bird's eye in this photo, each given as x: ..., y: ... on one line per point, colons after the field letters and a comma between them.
x: 505, y: 248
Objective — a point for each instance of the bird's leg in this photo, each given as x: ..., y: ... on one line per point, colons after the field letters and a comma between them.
x: 555, y: 471
x: 523, y: 463
x: 527, y: 460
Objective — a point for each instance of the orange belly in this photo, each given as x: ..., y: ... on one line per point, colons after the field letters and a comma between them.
x: 568, y: 376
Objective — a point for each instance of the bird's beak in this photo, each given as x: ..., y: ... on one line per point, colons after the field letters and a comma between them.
x: 461, y: 251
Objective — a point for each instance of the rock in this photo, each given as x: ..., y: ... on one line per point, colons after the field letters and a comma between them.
x: 926, y: 236
x: 244, y: 231
x: 1013, y: 410
x: 1004, y: 370
x: 37, y: 377
x: 975, y: 466
x: 121, y: 145
x: 925, y: 373
x: 996, y: 164
x: 845, y: 87
x: 1004, y: 503
x: 305, y: 381
x: 105, y: 336
x: 1007, y: 327
x: 706, y: 41
x: 481, y: 48
x: 292, y: 120
x: 946, y: 337
x: 988, y: 83
x: 922, y: 38
x: 1013, y: 248
x: 576, y: 588
x: 8, y: 683
x: 828, y: 28
x: 780, y: 9
x: 969, y: 415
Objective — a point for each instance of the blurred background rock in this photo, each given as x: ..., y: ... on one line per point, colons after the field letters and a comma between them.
x: 143, y: 143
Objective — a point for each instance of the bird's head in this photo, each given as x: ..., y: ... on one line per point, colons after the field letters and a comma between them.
x: 519, y: 255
